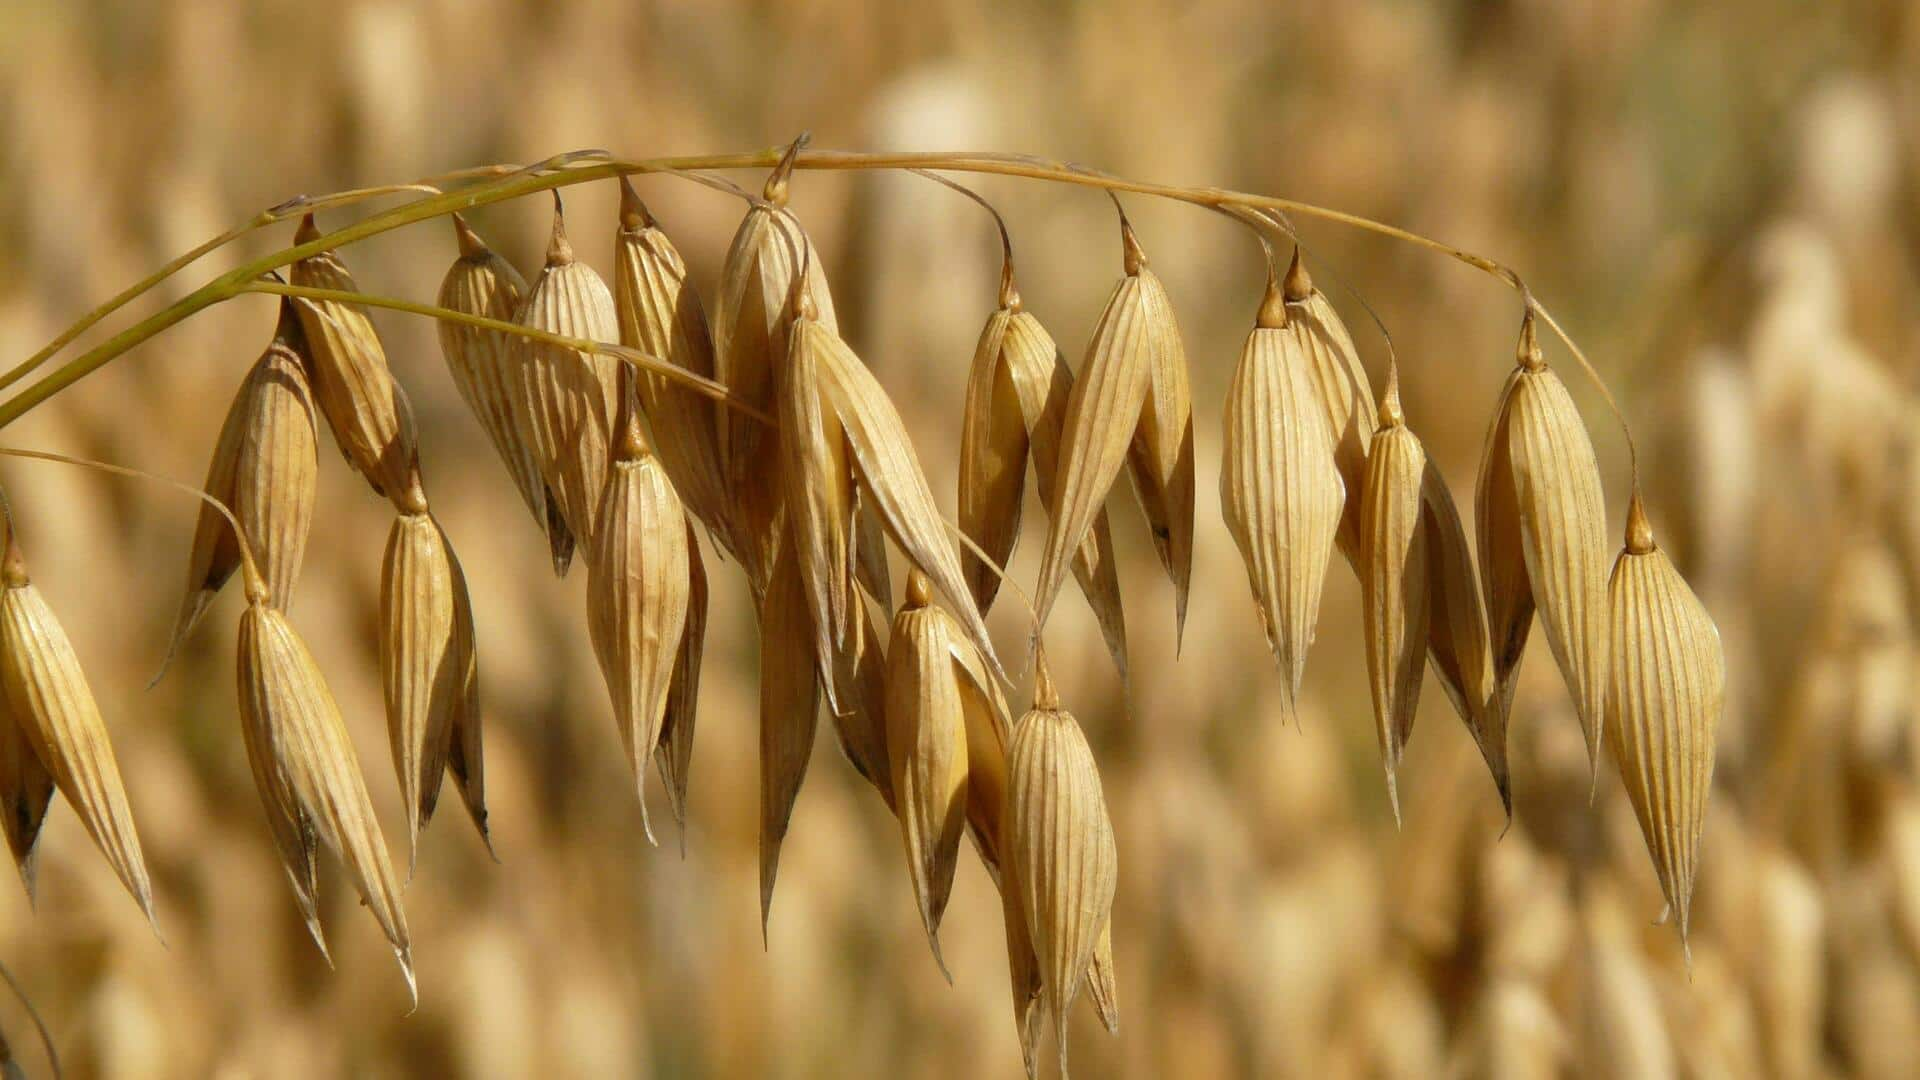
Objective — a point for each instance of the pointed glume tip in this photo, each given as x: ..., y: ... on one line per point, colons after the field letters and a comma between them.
x: 307, y: 232
x: 634, y: 215
x: 559, y: 251
x: 1528, y: 354
x: 1299, y: 284
x: 1639, y: 529
x: 471, y: 246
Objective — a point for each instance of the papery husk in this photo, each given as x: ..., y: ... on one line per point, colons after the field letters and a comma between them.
x: 661, y: 315
x: 862, y: 729
x: 1395, y: 582
x: 1017, y: 393
x: 891, y: 480
x: 1340, y: 383
x: 1161, y: 458
x: 750, y: 322
x: 351, y: 380
x: 565, y: 407
x: 927, y: 740
x: 1280, y: 491
x: 293, y: 728
x: 638, y: 593
x: 26, y: 790
x: 789, y: 709
x: 674, y: 752
x: 1668, y: 688
x: 424, y: 668
x: 1541, y: 498
x: 817, y: 492
x: 266, y: 470
x: 1457, y: 643
x: 1060, y: 843
x: 485, y: 365
x: 466, y: 758
x: 47, y: 694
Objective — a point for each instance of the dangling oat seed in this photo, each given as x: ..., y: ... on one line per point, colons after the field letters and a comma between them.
x: 1340, y: 383
x: 424, y: 668
x: 789, y: 709
x: 26, y: 789
x: 1395, y: 581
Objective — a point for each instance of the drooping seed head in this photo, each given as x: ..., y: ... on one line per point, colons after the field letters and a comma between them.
x: 424, y: 663
x: 1395, y: 582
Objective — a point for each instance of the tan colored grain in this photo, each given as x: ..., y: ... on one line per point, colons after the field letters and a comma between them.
x: 1395, y: 581
x: 789, y: 709
x: 1340, y: 382
x: 674, y: 753
x: 423, y: 667
x: 26, y: 790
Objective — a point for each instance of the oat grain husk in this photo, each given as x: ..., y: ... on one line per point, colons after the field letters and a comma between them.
x: 26, y: 790
x: 674, y: 752
x: 265, y: 469
x: 1458, y: 647
x: 1320, y: 338
x: 48, y: 695
x: 789, y: 709
x: 351, y: 380
x: 424, y: 667
x: 1395, y: 583
x: 292, y: 723
x: 1280, y: 489
x: 1667, y: 691
x: 485, y: 365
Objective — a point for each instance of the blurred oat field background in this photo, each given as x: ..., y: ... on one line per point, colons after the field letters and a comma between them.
x: 1721, y: 203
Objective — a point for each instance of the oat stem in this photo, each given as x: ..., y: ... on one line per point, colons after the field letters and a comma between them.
x: 585, y: 166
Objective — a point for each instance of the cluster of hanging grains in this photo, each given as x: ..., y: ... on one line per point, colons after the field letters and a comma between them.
x: 803, y: 473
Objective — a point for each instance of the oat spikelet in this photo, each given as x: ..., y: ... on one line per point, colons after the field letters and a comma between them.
x: 674, y: 753
x: 1540, y: 495
x: 351, y: 380
x: 638, y: 589
x: 48, y: 696
x: 1457, y: 643
x: 1104, y: 414
x: 485, y: 366
x: 1103, y: 987
x: 862, y: 729
x: 1395, y: 583
x: 1280, y: 489
x: 26, y: 789
x: 1023, y: 968
x: 660, y: 315
x: 817, y: 492
x: 1060, y: 841
x: 1016, y: 403
x: 424, y: 667
x: 750, y: 318
x: 1668, y: 688
x: 1161, y: 458
x: 890, y: 478
x: 1340, y: 383
x: 789, y: 709
x: 927, y: 737
x: 290, y: 720
x: 266, y: 470
x: 564, y: 410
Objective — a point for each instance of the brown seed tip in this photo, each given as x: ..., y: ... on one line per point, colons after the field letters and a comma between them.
x: 1134, y: 259
x: 634, y: 215
x: 471, y: 246
x: 1299, y: 283
x: 308, y: 232
x: 1639, y: 530
x: 1045, y: 697
x: 919, y: 590
x: 1009, y: 295
x: 1273, y: 305
x: 559, y: 251
x: 776, y: 190
x: 1391, y: 415
x: 1528, y: 355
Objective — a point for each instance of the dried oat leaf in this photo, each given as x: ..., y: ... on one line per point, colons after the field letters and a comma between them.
x: 674, y: 754
x: 927, y: 738
x: 638, y: 590
x: 660, y: 315
x: 1395, y: 582
x: 892, y: 482
x: 266, y: 470
x: 1562, y: 523
x: 1321, y: 339
x: 565, y: 405
x: 1666, y: 694
x: 1060, y: 842
x: 26, y: 789
x: 789, y: 709
x: 48, y: 695
x: 1280, y: 490
x: 424, y: 668
x: 1457, y: 642
x: 351, y: 380
x: 485, y: 366
x: 290, y: 719
x: 750, y: 318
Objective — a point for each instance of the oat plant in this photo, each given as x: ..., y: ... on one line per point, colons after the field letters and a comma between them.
x: 633, y: 417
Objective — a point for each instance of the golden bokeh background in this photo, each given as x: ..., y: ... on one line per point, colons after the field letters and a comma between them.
x: 1721, y: 202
